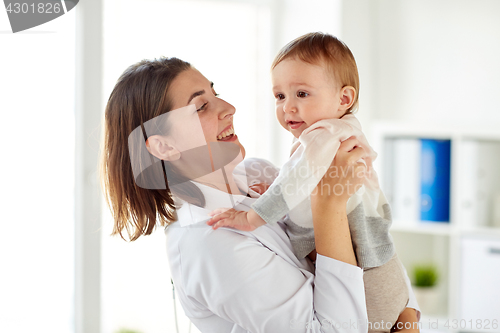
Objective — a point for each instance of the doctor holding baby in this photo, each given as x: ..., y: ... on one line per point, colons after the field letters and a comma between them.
x: 303, y: 248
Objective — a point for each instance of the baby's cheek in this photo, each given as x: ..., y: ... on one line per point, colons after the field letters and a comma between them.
x: 282, y: 122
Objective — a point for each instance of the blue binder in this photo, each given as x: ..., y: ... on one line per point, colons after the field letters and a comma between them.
x: 435, y: 180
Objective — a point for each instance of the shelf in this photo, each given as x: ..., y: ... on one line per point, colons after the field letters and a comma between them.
x: 431, y: 228
x: 434, y: 130
x: 459, y: 248
x: 481, y: 231
x: 439, y: 228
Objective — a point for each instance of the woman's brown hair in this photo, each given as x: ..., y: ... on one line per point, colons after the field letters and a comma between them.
x: 140, y: 94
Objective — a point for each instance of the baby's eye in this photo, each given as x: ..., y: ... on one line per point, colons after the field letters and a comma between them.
x: 280, y: 96
x: 302, y: 94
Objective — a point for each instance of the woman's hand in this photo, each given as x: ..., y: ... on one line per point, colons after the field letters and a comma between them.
x: 345, y: 175
x: 329, y: 200
x: 407, y: 322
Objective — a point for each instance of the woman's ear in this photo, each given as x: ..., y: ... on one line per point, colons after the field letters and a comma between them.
x: 159, y: 146
x: 347, y: 95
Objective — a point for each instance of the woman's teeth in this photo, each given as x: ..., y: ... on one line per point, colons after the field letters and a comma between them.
x: 225, y: 134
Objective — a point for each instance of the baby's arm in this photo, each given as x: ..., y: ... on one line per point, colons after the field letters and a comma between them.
x: 245, y: 221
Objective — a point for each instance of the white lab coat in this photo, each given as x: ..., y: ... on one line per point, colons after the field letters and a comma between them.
x: 234, y: 281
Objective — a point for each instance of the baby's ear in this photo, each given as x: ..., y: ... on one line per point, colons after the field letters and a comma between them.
x: 160, y: 147
x: 347, y: 96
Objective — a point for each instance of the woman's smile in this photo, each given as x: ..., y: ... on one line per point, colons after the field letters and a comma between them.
x: 227, y: 134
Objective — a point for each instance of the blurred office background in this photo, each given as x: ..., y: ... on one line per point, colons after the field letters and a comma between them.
x: 428, y: 68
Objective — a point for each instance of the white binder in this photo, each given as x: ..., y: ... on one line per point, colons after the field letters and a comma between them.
x: 480, y: 278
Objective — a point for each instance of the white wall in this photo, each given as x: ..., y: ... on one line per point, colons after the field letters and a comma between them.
x: 427, y: 62
x: 292, y: 19
x: 424, y: 60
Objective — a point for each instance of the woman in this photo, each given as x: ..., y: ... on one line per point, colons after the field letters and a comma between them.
x: 227, y: 280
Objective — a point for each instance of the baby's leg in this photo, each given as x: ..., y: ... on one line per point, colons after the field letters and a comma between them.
x: 386, y: 295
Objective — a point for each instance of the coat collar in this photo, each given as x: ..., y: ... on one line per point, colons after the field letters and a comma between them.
x: 273, y: 237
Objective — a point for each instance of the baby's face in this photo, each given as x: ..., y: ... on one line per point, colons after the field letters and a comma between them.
x: 304, y: 94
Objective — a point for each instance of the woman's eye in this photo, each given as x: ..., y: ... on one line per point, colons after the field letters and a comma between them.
x: 202, y: 107
x: 302, y: 94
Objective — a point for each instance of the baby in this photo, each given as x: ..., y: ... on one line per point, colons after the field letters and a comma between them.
x: 315, y: 84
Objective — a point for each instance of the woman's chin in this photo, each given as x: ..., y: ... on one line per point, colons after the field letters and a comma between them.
x: 234, y: 139
x: 242, y: 149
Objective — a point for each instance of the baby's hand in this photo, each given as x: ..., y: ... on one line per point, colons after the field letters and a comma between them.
x: 260, y: 187
x: 223, y: 217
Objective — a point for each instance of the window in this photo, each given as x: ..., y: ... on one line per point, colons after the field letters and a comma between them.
x: 37, y: 138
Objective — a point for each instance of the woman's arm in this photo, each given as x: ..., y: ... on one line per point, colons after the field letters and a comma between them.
x: 331, y: 230
x: 329, y: 200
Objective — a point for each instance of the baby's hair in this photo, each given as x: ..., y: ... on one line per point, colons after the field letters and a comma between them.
x: 318, y: 48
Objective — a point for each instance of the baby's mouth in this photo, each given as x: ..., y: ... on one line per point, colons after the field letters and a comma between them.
x: 295, y: 124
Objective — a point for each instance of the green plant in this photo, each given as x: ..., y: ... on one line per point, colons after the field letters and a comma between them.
x: 425, y: 275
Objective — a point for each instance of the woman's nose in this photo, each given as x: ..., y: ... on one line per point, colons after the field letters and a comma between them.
x: 226, y: 110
